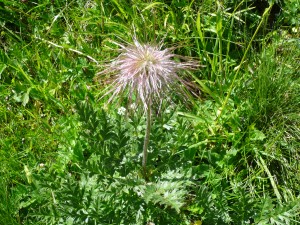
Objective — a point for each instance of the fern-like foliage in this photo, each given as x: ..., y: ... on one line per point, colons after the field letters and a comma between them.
x: 284, y: 214
x: 168, y: 191
x: 95, y: 180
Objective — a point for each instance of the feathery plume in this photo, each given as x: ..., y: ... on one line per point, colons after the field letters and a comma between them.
x: 144, y: 73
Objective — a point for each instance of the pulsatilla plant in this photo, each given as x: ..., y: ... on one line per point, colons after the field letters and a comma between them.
x: 145, y: 74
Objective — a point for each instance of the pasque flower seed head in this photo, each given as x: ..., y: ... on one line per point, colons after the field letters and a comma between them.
x: 144, y: 73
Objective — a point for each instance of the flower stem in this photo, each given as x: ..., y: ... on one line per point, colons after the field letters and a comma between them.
x: 146, y: 141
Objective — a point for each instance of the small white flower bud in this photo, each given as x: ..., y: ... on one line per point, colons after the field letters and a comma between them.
x: 121, y: 111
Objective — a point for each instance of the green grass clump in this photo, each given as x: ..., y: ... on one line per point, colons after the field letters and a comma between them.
x: 230, y: 156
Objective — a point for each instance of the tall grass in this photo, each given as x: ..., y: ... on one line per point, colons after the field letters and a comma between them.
x: 230, y: 157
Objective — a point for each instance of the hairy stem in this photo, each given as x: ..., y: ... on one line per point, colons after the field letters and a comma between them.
x: 146, y: 140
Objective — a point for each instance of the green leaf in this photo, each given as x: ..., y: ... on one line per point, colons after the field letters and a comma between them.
x: 257, y: 135
x: 152, y: 5
x: 78, y: 152
x: 2, y: 68
x: 199, y: 29
x: 25, y: 97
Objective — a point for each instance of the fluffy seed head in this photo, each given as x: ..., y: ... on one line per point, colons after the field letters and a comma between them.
x: 144, y: 73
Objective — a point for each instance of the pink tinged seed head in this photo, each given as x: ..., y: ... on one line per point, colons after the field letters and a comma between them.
x: 145, y: 73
